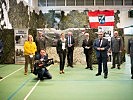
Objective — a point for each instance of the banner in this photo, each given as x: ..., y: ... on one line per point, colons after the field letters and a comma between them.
x: 107, y: 30
x: 101, y: 18
x: 21, y: 35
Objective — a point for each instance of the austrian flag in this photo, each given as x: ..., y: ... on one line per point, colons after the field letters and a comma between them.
x: 101, y: 18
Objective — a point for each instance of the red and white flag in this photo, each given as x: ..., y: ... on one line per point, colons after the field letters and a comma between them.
x: 101, y: 18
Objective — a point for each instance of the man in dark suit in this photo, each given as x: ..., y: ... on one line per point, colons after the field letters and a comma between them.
x: 116, y: 49
x: 87, y: 45
x: 71, y: 42
x: 101, y: 45
x: 40, y: 41
x: 130, y: 53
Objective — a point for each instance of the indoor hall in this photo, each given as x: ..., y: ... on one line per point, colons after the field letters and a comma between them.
x: 24, y: 19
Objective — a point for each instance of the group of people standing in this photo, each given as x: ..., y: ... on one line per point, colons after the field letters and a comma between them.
x: 102, y: 46
x: 65, y: 47
x: 36, y: 51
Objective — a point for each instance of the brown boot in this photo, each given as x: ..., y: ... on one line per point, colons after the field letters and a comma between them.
x: 26, y: 70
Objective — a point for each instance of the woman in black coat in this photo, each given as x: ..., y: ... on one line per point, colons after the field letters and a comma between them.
x: 62, y: 51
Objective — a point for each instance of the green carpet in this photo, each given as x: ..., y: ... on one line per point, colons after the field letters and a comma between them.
x: 77, y: 83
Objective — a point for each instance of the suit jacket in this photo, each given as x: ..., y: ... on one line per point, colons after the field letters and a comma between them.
x: 41, y: 43
x: 72, y: 42
x: 59, y: 46
x: 116, y: 44
x: 130, y: 47
x: 88, y: 43
x: 105, y: 45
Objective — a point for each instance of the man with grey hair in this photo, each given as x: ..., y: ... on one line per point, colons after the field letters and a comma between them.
x: 116, y: 49
x: 87, y: 45
x: 70, y: 42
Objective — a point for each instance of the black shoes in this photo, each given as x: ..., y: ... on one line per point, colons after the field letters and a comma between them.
x: 70, y: 66
x: 132, y: 77
x: 98, y: 74
x: 105, y: 76
x: 118, y: 67
x: 1, y: 77
x: 112, y: 67
x: 89, y: 67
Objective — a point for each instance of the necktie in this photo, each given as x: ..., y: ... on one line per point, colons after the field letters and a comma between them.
x: 69, y: 40
x: 100, y: 42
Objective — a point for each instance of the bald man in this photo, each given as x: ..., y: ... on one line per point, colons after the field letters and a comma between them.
x: 116, y: 49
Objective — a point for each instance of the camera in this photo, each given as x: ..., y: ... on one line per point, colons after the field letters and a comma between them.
x: 45, y: 63
x: 49, y: 62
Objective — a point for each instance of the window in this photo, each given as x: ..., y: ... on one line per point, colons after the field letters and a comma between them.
x: 89, y: 2
x: 80, y: 2
x: 118, y: 2
x: 99, y: 2
x: 60, y: 2
x: 70, y: 2
x: 41, y: 2
x: 129, y: 2
x: 51, y: 2
x: 109, y: 2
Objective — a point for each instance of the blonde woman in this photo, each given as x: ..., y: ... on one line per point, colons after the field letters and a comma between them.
x: 62, y: 51
x: 29, y: 52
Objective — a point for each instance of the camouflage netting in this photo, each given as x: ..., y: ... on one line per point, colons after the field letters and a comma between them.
x: 7, y: 36
x: 20, y: 17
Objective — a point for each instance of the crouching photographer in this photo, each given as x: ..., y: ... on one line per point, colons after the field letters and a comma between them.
x: 41, y: 65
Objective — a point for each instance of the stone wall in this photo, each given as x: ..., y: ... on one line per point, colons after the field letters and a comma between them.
x: 78, y: 56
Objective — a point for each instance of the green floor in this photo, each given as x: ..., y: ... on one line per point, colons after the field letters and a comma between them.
x: 76, y: 84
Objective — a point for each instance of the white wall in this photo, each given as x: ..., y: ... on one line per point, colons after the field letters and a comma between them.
x: 124, y: 19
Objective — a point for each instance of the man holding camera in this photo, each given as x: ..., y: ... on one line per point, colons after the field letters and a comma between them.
x: 40, y: 67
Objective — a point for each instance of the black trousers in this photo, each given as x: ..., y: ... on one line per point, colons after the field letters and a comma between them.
x: 132, y: 65
x: 70, y: 57
x: 62, y: 56
x: 89, y: 60
x: 102, y: 61
x: 116, y: 55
